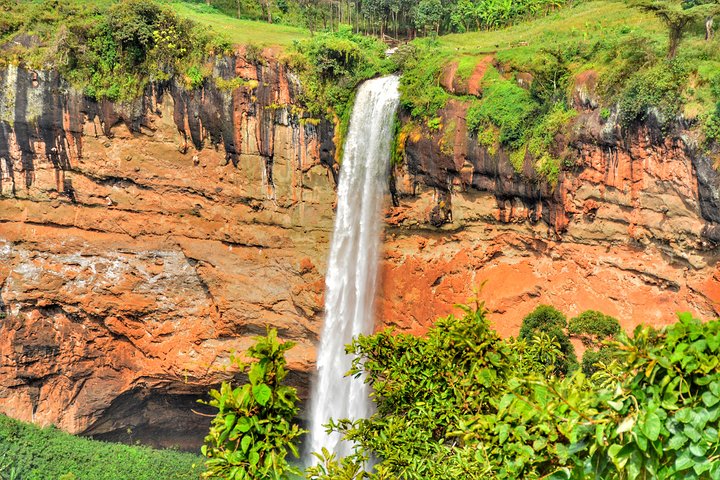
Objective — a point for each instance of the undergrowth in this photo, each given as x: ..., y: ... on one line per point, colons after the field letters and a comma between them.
x: 107, y: 49
x: 525, y: 105
x: 32, y: 453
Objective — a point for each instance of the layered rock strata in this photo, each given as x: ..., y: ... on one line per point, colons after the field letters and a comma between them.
x: 141, y: 244
x: 630, y: 228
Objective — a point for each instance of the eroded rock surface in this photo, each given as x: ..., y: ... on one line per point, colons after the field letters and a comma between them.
x: 629, y: 229
x: 141, y: 244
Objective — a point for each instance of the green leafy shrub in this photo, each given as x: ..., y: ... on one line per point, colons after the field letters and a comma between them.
x: 423, y: 387
x: 420, y: 90
x: 253, y: 431
x: 657, y: 89
x: 623, y: 58
x: 593, y: 357
x: 711, y: 127
x: 195, y: 77
x: 547, y: 319
x: 506, y: 106
x: 331, y: 66
x: 658, y: 413
x: 112, y: 49
x: 550, y: 76
x: 462, y: 403
x: 31, y: 453
x: 593, y: 326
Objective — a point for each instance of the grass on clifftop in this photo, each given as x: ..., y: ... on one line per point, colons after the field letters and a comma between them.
x: 527, y: 86
x: 237, y: 31
x: 31, y: 453
x: 587, y: 21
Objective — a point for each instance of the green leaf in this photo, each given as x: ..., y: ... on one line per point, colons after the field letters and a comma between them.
x: 262, y: 393
x: 677, y: 441
x: 626, y: 425
x: 713, y: 342
x: 710, y: 399
x: 245, y: 443
x: 563, y: 474
x: 652, y: 426
x: 256, y: 373
x: 244, y: 424
x: 254, y: 458
x: 683, y: 462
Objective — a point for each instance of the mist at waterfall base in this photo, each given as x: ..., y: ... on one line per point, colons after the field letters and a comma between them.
x: 350, y: 284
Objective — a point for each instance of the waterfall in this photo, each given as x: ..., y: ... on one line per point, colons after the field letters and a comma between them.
x: 354, y: 257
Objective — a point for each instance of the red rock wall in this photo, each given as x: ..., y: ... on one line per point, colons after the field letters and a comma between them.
x: 629, y: 229
x: 141, y: 244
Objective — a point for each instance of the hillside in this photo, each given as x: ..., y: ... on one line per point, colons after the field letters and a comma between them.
x: 240, y: 31
x: 30, y: 453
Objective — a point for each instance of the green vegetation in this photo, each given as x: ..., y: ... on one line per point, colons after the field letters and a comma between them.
x: 678, y: 16
x: 253, y: 430
x: 594, y: 329
x: 593, y: 326
x: 548, y: 320
x: 239, y: 31
x: 31, y: 453
x: 462, y: 403
x: 617, y: 55
x: 108, y: 49
x: 331, y: 65
x: 506, y: 106
x: 391, y: 17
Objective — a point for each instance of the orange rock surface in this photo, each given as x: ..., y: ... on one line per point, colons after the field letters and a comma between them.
x: 140, y: 245
x: 136, y: 264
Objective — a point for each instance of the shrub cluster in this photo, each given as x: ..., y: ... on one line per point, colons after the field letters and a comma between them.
x: 109, y: 49
x: 462, y: 403
x: 30, y: 453
x: 331, y: 65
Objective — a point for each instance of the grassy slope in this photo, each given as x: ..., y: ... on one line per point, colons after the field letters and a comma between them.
x: 240, y: 32
x: 45, y: 454
x: 587, y: 21
x: 624, y: 46
x: 601, y: 23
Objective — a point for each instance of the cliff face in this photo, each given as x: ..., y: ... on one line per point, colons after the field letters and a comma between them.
x: 629, y: 229
x: 140, y: 244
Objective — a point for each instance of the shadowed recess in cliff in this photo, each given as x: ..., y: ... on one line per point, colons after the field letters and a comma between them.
x: 354, y: 257
x: 161, y: 419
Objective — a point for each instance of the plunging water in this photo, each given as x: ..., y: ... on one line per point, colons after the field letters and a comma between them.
x: 354, y: 256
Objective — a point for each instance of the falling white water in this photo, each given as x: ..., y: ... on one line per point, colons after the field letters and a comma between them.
x: 354, y: 257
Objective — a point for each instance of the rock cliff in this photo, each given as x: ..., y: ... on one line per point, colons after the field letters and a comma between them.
x: 630, y: 228
x: 142, y: 243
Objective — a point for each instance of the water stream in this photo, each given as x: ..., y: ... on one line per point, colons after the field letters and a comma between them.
x: 354, y: 255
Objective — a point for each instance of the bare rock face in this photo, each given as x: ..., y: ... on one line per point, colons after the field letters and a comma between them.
x: 141, y: 244
x: 631, y: 228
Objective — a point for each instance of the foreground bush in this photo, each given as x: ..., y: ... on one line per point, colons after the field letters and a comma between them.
x: 254, y: 430
x: 548, y: 320
x: 463, y: 403
x: 31, y: 453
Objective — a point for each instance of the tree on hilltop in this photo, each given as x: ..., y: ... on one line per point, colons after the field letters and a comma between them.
x: 678, y: 15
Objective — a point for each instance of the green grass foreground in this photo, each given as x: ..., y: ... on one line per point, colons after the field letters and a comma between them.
x: 28, y: 452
